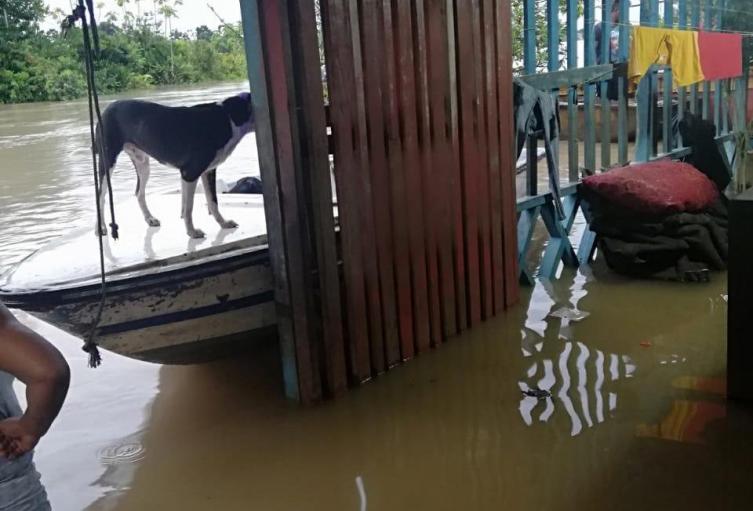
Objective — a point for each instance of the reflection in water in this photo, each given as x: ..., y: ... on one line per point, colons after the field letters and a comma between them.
x: 361, y: 493
x: 580, y: 373
x: 590, y: 369
x: 686, y: 422
x: 149, y: 253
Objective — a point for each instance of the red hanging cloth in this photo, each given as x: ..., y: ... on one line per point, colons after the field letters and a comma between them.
x: 721, y: 55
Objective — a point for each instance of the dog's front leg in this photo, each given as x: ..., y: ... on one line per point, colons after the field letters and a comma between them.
x: 209, y: 181
x: 188, y: 189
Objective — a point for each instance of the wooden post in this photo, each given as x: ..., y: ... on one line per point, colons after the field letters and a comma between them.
x: 252, y: 25
x: 291, y: 136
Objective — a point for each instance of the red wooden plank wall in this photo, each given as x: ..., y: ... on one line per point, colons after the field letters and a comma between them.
x: 420, y: 111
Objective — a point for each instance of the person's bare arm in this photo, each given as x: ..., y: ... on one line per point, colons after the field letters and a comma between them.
x: 44, y: 371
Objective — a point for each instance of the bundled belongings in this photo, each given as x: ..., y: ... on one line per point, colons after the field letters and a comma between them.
x: 251, y: 185
x: 663, y: 219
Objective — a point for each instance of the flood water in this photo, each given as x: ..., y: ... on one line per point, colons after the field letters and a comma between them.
x: 635, y: 416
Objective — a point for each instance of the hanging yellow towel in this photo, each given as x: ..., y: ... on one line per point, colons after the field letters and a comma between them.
x: 666, y: 47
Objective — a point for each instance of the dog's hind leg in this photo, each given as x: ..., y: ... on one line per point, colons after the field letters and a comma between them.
x: 188, y: 189
x: 141, y: 163
x: 209, y: 181
x: 108, y: 146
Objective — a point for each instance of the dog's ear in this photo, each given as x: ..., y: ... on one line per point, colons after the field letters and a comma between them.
x: 239, y: 108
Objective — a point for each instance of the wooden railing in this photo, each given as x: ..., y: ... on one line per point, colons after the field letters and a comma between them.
x: 724, y: 102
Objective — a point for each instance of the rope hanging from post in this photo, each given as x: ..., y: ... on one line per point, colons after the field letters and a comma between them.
x: 97, y: 148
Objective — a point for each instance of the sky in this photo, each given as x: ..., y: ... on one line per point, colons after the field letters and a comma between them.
x: 191, y: 14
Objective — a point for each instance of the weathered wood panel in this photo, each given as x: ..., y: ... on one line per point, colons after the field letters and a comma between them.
x: 420, y: 113
x: 399, y: 153
x: 469, y: 149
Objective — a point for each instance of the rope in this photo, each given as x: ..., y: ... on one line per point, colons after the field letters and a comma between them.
x: 79, y: 13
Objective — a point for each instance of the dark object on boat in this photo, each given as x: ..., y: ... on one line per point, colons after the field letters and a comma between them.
x: 251, y: 185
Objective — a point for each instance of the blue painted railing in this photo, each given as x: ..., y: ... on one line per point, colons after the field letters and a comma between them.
x: 654, y: 92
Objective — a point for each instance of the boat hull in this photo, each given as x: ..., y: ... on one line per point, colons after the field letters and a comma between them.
x: 185, y: 315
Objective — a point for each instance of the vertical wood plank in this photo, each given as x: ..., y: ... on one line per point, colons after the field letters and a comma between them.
x: 461, y: 276
x: 399, y: 169
x: 707, y: 24
x: 572, y: 96
x: 647, y: 94
x: 441, y: 144
x: 553, y: 34
x: 682, y: 23
x: 263, y: 113
x: 315, y: 167
x: 482, y: 170
x: 606, y: 104
x: 276, y: 32
x: 365, y: 198
x: 469, y: 150
x: 667, y: 84
x: 412, y: 169
x: 695, y: 22
x: 622, y: 99
x: 726, y: 89
x: 341, y: 88
x: 494, y: 182
x: 589, y: 149
x: 718, y: 85
x: 529, y: 37
x: 379, y: 173
x: 507, y: 154
x: 425, y: 248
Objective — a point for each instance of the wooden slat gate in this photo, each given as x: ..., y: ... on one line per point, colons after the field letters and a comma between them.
x: 418, y: 97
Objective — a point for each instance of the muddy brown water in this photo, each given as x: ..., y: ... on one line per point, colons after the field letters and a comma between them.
x: 633, y: 415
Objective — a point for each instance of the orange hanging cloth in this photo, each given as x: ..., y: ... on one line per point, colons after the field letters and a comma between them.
x: 721, y: 55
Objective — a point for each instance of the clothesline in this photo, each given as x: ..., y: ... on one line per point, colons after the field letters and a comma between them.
x: 629, y: 25
x: 714, y: 10
x: 720, y: 31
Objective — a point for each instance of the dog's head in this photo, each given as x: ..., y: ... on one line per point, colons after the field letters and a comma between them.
x: 240, y: 110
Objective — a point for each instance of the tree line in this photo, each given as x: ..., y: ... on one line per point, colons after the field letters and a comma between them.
x: 139, y: 49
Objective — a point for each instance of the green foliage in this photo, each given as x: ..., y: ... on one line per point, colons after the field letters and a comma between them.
x: 135, y: 54
x: 542, y: 57
x: 739, y: 17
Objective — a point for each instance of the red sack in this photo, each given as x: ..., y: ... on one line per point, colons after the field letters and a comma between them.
x: 661, y: 187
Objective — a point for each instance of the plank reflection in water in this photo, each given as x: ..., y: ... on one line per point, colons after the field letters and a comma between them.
x: 574, y: 388
x: 576, y: 378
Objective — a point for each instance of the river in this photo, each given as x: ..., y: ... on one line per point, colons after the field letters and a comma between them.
x: 636, y: 417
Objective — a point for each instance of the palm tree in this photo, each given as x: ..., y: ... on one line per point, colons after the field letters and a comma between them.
x: 123, y: 5
x: 169, y: 12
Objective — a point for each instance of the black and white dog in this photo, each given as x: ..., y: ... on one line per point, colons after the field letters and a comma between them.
x: 194, y: 140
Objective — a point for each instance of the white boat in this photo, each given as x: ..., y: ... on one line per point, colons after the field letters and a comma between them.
x: 170, y: 299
